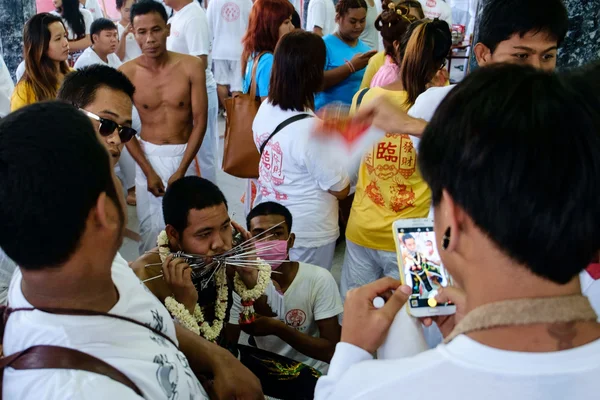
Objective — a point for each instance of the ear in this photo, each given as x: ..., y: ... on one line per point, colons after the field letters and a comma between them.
x: 174, y: 238
x: 483, y: 54
x: 291, y: 241
x: 101, y: 211
x: 396, y: 45
x: 450, y: 216
x: 168, y: 30
x: 338, y: 18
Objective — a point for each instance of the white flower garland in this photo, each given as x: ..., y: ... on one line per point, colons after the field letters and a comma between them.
x: 163, y: 245
x: 212, y: 332
x: 249, y: 296
x: 196, y: 323
x: 181, y: 314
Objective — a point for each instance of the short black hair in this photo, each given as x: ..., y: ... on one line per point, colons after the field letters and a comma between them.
x: 144, y: 7
x: 343, y: 6
x: 189, y: 193
x: 79, y: 87
x: 120, y: 3
x: 271, y: 208
x: 407, y: 236
x: 52, y: 170
x: 501, y: 19
x: 528, y: 180
x: 101, y: 24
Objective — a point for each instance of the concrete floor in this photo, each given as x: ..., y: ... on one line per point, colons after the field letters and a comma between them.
x: 233, y: 188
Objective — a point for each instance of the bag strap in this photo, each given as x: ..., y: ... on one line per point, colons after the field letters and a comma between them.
x: 282, y: 125
x: 54, y: 357
x: 360, y: 97
x: 253, y: 83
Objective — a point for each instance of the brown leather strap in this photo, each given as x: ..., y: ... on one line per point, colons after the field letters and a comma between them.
x: 253, y: 83
x: 54, y: 357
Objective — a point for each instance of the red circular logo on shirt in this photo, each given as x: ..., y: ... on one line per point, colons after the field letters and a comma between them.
x: 230, y: 12
x: 295, y: 318
x: 431, y: 3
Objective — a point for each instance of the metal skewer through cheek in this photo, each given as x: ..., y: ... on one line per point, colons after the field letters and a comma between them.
x: 242, y: 255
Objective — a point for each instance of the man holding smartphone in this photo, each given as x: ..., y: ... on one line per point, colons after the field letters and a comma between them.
x: 523, y: 329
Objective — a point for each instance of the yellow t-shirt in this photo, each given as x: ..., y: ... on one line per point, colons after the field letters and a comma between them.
x: 22, y: 96
x: 389, y: 185
x: 375, y: 63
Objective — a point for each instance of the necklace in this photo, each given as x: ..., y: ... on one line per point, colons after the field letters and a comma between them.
x: 546, y: 310
x: 196, y: 323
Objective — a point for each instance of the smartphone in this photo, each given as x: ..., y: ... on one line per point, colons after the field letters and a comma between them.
x: 421, y: 267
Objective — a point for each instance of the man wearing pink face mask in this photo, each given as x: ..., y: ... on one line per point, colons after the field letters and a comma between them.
x: 309, y: 330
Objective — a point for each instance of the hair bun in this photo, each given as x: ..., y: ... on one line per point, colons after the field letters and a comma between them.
x: 440, y: 24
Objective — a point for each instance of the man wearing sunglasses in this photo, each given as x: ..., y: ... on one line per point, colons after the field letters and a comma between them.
x: 105, y: 96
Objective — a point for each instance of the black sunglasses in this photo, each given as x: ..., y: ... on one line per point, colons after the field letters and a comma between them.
x: 107, y: 127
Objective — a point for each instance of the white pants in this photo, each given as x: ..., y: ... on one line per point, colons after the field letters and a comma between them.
x: 207, y: 155
x: 165, y: 160
x: 320, y: 256
x: 363, y: 265
x: 125, y: 170
x: 228, y: 73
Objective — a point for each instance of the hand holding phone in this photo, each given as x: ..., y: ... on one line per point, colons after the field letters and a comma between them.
x: 421, y: 267
x: 446, y: 323
x: 366, y: 326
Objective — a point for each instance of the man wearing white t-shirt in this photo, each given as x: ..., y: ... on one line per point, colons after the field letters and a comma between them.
x: 309, y: 330
x: 191, y: 35
x: 437, y: 9
x: 105, y: 39
x: 228, y: 21
x: 93, y: 6
x: 522, y: 327
x: 321, y: 17
x: 78, y: 218
x: 128, y: 48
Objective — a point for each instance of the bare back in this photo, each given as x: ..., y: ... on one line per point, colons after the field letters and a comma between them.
x: 163, y: 97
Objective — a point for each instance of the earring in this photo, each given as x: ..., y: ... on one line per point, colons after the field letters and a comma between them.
x: 446, y: 239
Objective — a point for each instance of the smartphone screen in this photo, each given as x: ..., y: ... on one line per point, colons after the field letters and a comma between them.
x: 420, y: 265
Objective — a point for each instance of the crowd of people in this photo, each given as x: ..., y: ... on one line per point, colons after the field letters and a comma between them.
x: 108, y: 113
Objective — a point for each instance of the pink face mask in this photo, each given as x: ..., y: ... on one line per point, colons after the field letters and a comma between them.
x: 273, y: 252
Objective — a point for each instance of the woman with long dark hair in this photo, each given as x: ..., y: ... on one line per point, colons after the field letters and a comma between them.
x: 292, y: 170
x: 45, y: 51
x: 390, y: 185
x: 78, y: 22
x: 269, y: 21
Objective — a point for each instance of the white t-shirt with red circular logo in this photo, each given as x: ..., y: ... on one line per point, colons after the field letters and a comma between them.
x: 228, y: 21
x: 312, y: 296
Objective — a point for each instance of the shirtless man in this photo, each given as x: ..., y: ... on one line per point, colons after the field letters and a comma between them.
x: 172, y: 103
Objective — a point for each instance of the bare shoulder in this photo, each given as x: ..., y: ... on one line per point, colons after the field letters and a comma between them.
x: 189, y: 64
x: 128, y: 68
x: 142, y: 268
